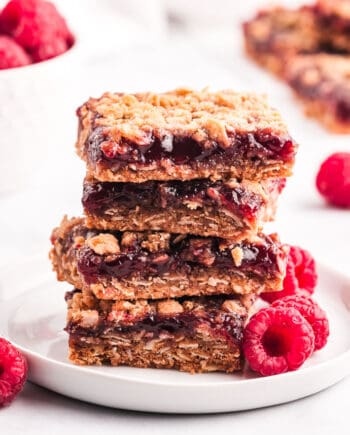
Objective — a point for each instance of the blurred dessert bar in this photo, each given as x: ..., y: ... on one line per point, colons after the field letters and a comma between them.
x: 154, y: 265
x: 189, y: 334
x: 203, y: 207
x: 334, y: 19
x: 321, y: 82
x: 183, y: 135
x: 309, y: 48
x: 275, y: 35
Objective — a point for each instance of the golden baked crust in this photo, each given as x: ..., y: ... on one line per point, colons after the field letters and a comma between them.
x: 202, y: 353
x: 203, y: 115
x: 201, y: 222
x: 254, y: 170
x: 202, y: 282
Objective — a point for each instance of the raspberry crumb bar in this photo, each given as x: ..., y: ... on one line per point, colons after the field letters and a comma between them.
x: 202, y: 207
x: 189, y: 334
x: 321, y: 82
x: 275, y: 35
x: 170, y: 256
x: 153, y: 265
x: 183, y: 135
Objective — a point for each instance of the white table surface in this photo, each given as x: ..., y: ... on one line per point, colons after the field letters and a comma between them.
x: 27, y: 217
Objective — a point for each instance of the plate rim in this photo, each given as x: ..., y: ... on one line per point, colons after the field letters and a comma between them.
x: 10, y: 304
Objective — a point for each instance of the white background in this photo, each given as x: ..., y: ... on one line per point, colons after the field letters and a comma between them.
x: 126, y: 46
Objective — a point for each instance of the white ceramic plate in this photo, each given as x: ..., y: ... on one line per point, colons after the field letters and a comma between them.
x: 34, y: 322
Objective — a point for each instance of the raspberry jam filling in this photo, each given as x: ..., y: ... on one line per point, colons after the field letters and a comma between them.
x: 333, y: 22
x: 99, y: 197
x: 185, y: 150
x: 219, y: 322
x: 257, y: 260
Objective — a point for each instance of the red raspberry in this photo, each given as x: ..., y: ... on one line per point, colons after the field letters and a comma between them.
x: 333, y: 179
x: 301, y: 275
x: 49, y: 50
x: 13, y: 372
x: 37, y: 26
x: 16, y: 18
x: 277, y: 340
x: 312, y: 312
x: 12, y: 55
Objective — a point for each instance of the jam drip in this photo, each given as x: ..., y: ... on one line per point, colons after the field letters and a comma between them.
x: 99, y: 197
x: 185, y: 150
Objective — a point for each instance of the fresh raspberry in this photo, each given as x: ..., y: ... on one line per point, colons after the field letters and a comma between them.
x: 312, y: 312
x: 15, y: 18
x: 11, y: 54
x: 277, y: 340
x: 48, y: 50
x: 333, y: 179
x: 301, y: 275
x: 37, y: 26
x: 13, y: 372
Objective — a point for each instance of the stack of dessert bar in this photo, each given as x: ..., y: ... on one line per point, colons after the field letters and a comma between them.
x: 170, y: 254
x: 309, y: 48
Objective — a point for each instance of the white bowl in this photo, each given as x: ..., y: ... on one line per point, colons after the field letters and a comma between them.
x: 32, y: 99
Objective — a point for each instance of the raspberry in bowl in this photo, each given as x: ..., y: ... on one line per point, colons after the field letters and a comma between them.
x: 32, y: 31
x: 12, y: 55
x: 36, y: 56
